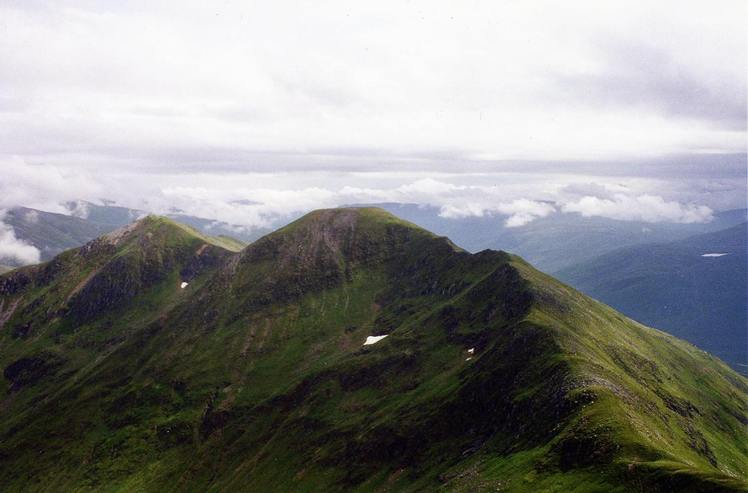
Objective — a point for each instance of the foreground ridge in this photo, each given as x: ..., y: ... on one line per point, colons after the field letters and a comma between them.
x: 153, y: 359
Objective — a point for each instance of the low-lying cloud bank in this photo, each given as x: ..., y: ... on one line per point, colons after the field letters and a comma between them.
x: 13, y: 250
x: 647, y: 208
x: 520, y: 211
x: 263, y: 200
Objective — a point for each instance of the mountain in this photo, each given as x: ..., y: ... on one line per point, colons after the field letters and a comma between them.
x: 115, y: 216
x: 106, y: 214
x: 53, y: 233
x: 552, y: 243
x: 50, y: 233
x: 241, y: 234
x: 269, y: 371
x: 687, y: 288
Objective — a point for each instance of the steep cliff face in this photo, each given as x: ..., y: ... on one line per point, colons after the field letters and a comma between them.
x: 256, y: 375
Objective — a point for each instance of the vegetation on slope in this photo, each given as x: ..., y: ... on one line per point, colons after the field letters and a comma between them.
x: 255, y: 377
x: 53, y: 233
x: 672, y: 286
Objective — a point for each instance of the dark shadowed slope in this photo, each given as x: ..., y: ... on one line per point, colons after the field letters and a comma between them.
x: 255, y: 377
x: 673, y: 286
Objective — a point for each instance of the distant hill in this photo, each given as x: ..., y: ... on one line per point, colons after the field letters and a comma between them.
x: 349, y: 351
x: 116, y: 216
x: 557, y: 241
x: 52, y: 233
x: 675, y: 287
x: 550, y: 243
x: 49, y: 232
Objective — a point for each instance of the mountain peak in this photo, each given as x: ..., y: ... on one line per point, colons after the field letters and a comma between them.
x: 327, y: 248
x: 344, y: 218
x: 339, y: 229
x: 492, y: 374
x: 111, y: 271
x: 152, y: 227
x: 337, y: 239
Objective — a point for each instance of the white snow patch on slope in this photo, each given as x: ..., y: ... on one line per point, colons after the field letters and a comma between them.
x: 183, y: 285
x: 374, y: 339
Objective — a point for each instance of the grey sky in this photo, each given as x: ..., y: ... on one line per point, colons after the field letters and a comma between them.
x: 302, y: 104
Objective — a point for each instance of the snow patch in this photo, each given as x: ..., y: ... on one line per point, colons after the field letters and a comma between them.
x: 184, y: 285
x: 468, y: 358
x: 714, y: 255
x: 374, y: 339
x: 471, y: 350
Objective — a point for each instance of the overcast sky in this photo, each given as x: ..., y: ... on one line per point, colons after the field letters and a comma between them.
x: 244, y: 110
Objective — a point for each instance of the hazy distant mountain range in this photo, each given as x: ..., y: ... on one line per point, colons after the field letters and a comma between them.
x: 348, y: 351
x: 559, y: 240
x: 52, y: 233
x: 695, y: 288
x: 116, y: 216
x: 552, y: 243
x: 49, y: 232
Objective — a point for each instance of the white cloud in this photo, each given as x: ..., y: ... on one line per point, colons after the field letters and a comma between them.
x: 524, y: 211
x: 520, y: 211
x: 14, y: 250
x: 647, y: 208
x: 43, y: 186
x: 282, y: 84
x: 252, y: 200
x: 31, y: 217
x: 79, y: 208
x: 467, y: 209
x: 292, y: 106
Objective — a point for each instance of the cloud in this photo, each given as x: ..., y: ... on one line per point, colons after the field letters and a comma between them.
x: 282, y: 86
x: 637, y: 75
x: 647, y: 208
x: 263, y: 200
x: 246, y: 113
x: 520, y: 211
x: 13, y: 250
x: 44, y: 186
x: 524, y: 211
x: 588, y: 189
x: 31, y: 217
x: 78, y: 208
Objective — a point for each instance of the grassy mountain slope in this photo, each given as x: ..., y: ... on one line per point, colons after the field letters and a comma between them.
x: 673, y: 287
x: 53, y: 233
x: 94, y: 294
x: 255, y: 377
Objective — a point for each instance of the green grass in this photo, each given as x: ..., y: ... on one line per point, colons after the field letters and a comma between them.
x: 254, y: 377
